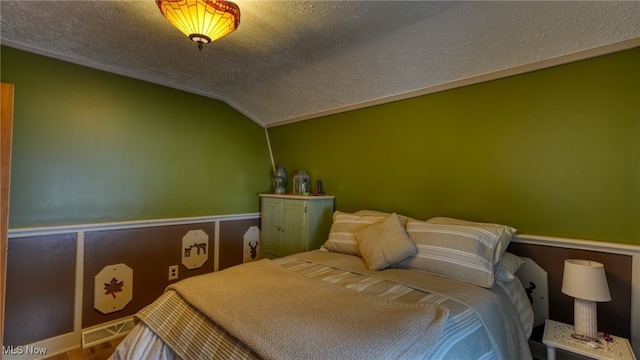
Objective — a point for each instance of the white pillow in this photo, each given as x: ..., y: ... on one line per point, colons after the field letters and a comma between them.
x: 507, y: 266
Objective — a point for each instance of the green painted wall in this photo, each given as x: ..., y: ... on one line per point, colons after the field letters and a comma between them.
x: 89, y: 146
x: 553, y: 152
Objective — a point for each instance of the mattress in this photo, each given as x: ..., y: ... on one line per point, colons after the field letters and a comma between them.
x: 482, y: 323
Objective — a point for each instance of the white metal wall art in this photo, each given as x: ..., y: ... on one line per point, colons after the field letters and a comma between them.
x: 113, y: 288
x: 251, y: 250
x: 536, y: 284
x: 195, y: 249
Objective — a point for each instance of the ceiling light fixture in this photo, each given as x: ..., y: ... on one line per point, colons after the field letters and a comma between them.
x: 203, y: 21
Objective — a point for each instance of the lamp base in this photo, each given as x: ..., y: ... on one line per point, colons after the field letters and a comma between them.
x: 585, y: 318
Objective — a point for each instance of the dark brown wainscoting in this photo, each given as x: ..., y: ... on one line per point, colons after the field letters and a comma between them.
x: 148, y: 252
x: 614, y: 316
x: 41, y: 272
x: 40, y: 288
x: 232, y: 241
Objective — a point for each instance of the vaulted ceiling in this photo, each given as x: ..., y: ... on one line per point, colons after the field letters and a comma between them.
x: 294, y: 60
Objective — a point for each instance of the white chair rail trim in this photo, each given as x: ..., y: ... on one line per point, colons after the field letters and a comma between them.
x: 63, y: 229
x: 608, y: 247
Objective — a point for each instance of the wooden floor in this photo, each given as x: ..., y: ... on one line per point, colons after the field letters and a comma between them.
x: 98, y: 352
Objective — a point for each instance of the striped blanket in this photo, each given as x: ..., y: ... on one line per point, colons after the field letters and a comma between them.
x: 482, y: 324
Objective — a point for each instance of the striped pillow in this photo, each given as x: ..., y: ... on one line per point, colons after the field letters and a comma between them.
x: 403, y: 218
x: 342, y: 238
x: 463, y: 252
x: 506, y: 232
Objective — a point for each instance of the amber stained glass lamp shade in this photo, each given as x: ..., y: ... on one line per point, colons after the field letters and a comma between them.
x: 203, y: 21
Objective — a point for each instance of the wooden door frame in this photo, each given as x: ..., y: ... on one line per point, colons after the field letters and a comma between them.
x: 6, y: 127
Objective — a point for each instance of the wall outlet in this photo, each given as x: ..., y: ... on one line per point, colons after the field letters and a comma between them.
x: 173, y: 272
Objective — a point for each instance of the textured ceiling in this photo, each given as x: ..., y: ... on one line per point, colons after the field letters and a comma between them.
x: 294, y: 60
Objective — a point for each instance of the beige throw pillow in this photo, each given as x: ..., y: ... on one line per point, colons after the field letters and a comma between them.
x: 384, y: 243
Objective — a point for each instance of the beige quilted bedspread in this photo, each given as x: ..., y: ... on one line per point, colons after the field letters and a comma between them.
x: 273, y: 312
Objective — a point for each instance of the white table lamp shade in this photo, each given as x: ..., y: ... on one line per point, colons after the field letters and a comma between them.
x: 586, y: 282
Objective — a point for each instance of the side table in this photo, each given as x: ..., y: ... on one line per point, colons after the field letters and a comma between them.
x: 558, y: 336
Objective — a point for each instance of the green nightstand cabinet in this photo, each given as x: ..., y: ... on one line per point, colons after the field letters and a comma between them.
x: 293, y: 224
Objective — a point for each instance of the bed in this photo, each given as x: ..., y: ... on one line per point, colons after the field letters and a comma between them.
x: 382, y: 286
